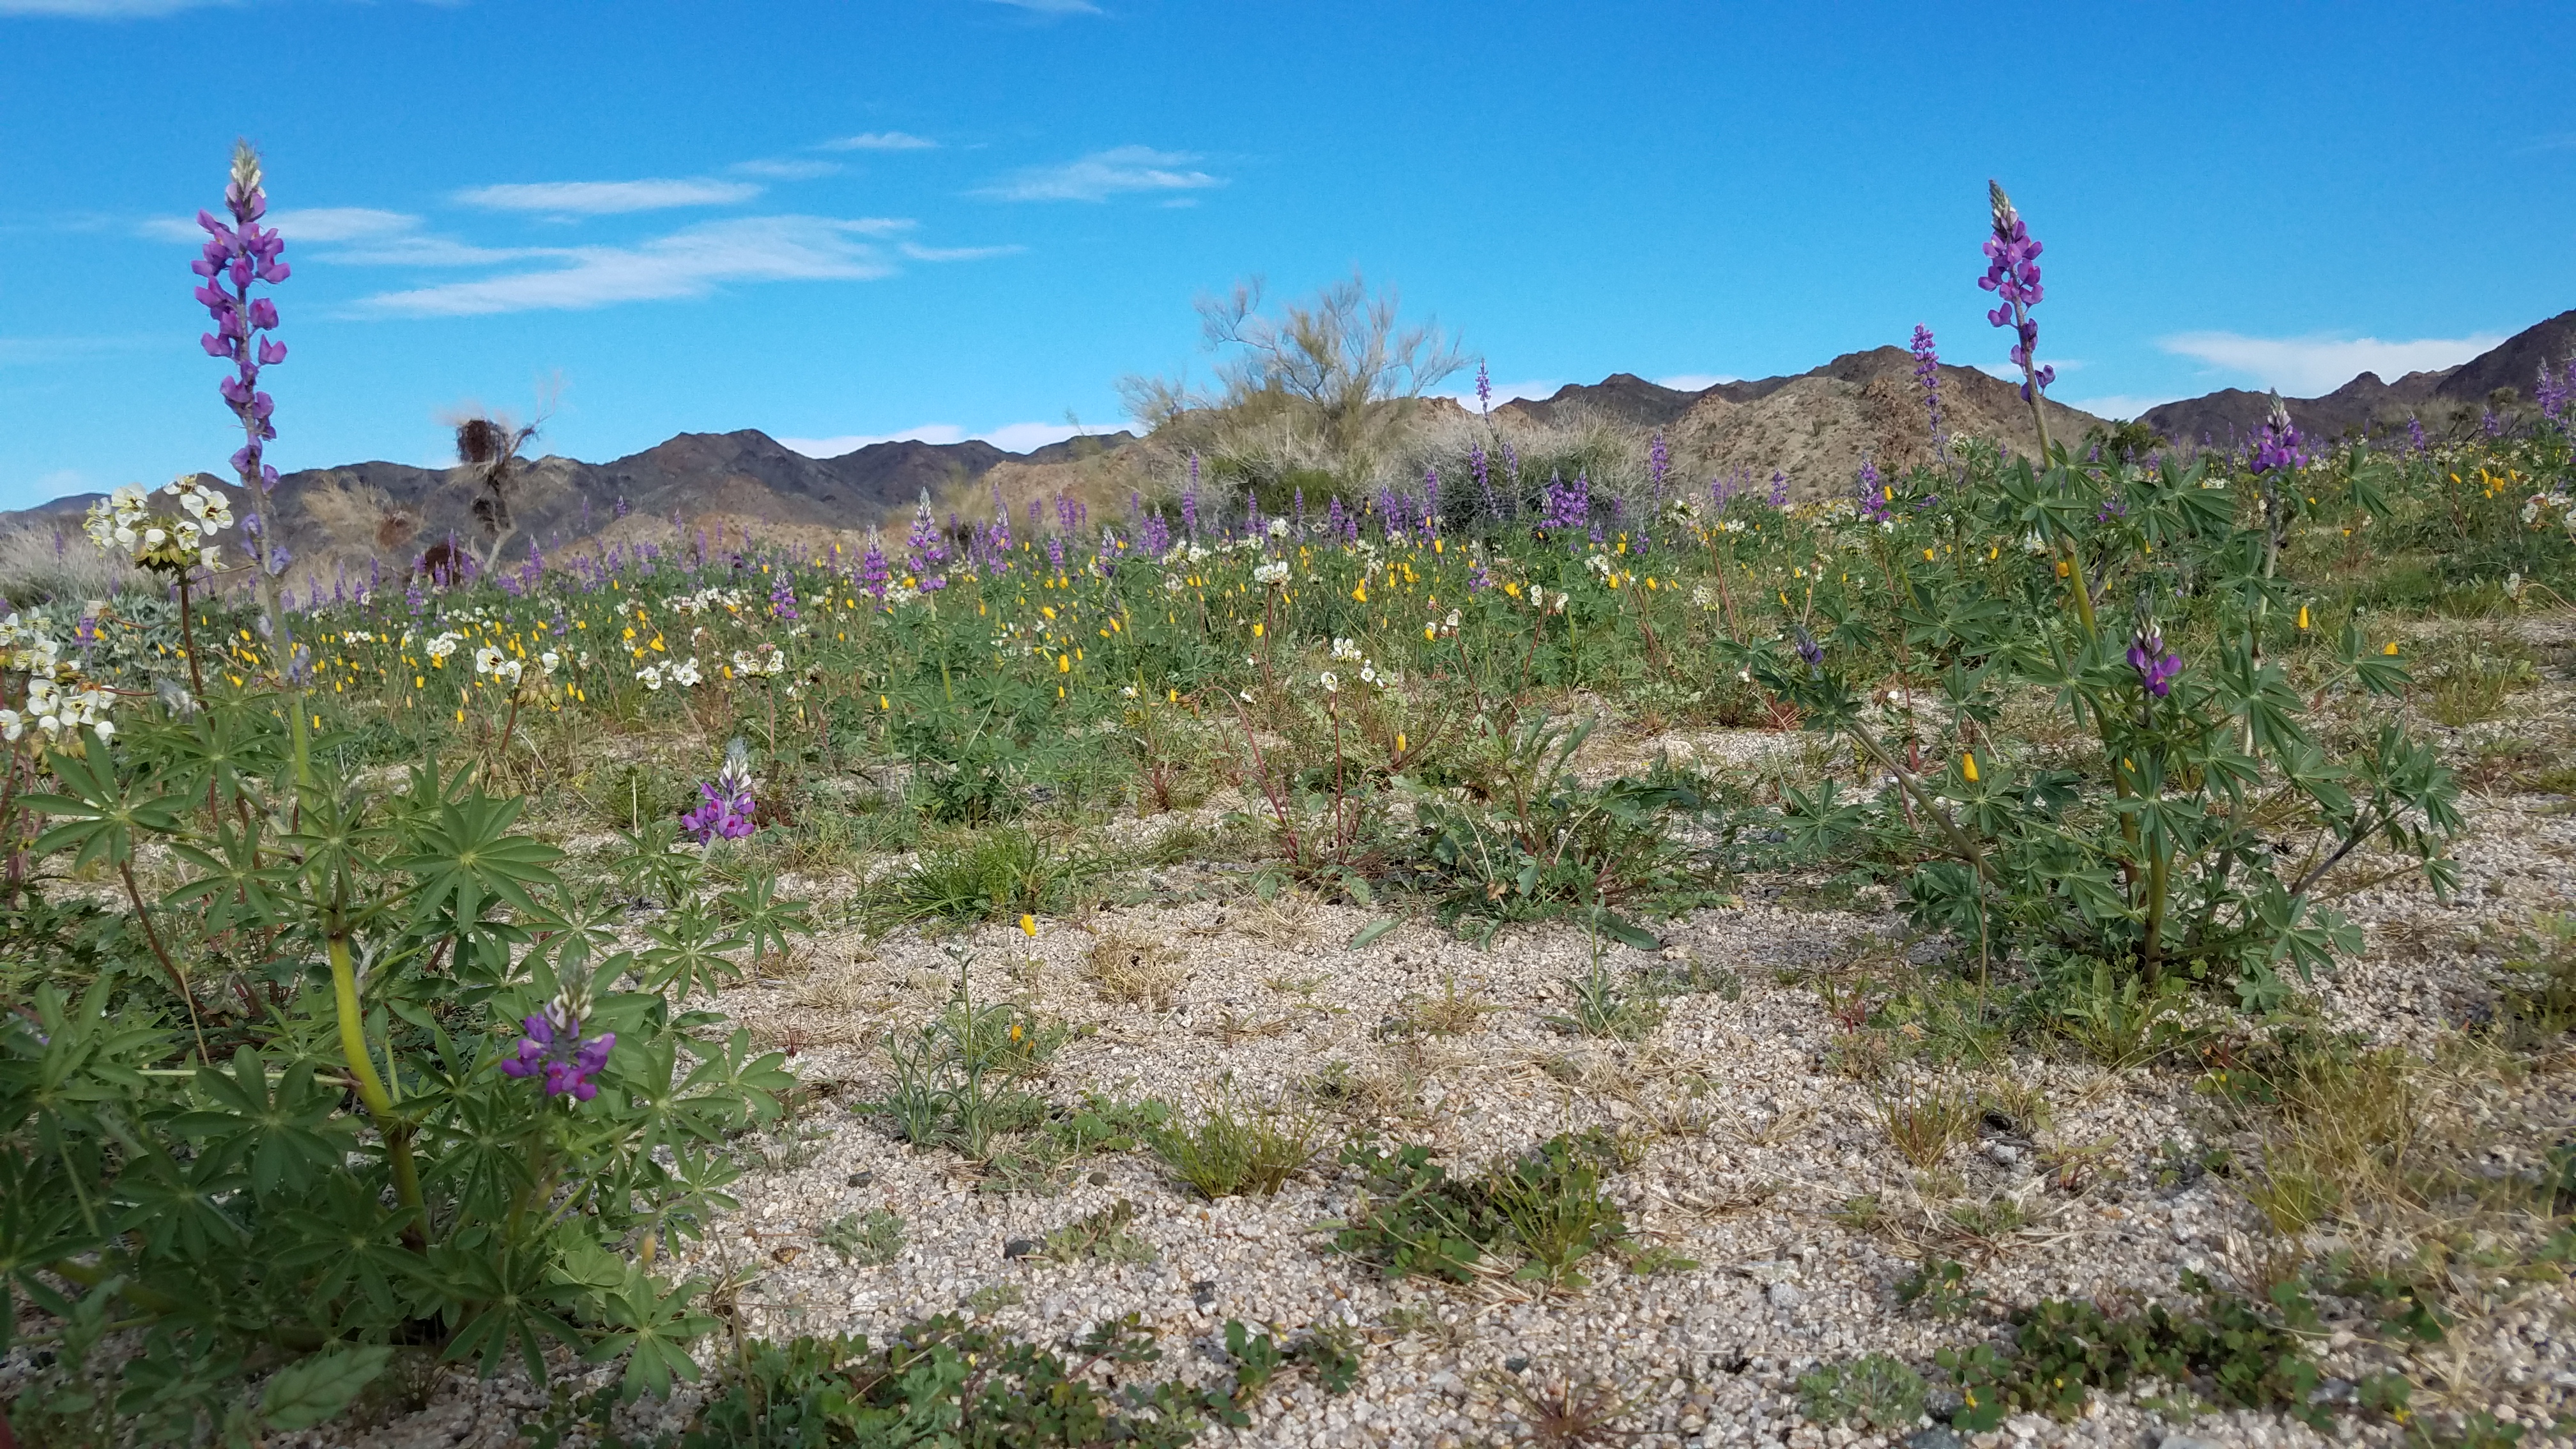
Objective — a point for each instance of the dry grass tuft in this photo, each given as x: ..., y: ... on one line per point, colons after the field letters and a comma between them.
x: 1134, y: 971
x: 1925, y: 1126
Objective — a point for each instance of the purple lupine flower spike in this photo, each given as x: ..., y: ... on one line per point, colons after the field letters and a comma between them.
x: 1927, y: 376
x: 2012, y: 274
x: 2156, y: 667
x: 554, y: 1049
x: 725, y: 803
x: 2277, y: 442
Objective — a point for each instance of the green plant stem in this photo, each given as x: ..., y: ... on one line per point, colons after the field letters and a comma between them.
x: 1913, y: 786
x: 362, y: 1069
x: 152, y: 935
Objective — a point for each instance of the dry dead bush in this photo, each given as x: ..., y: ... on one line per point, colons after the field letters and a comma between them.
x: 1134, y: 971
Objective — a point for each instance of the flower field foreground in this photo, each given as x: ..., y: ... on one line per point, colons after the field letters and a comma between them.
x: 368, y: 961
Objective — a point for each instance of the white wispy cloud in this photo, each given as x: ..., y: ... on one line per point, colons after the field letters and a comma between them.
x: 103, y: 9
x: 302, y: 224
x: 605, y: 198
x: 362, y: 236
x: 882, y: 141
x: 785, y: 170
x: 834, y: 447
x: 1009, y: 437
x: 1028, y: 437
x: 959, y: 254
x: 2308, y: 366
x: 2118, y: 406
x: 691, y: 262
x: 1104, y: 174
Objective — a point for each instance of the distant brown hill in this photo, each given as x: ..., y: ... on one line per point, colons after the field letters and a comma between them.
x: 2450, y: 399
x: 1815, y: 426
x: 349, y: 520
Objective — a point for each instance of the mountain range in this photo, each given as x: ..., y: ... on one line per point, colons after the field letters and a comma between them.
x: 1815, y: 429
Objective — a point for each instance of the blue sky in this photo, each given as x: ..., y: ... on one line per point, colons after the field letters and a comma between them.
x: 946, y: 218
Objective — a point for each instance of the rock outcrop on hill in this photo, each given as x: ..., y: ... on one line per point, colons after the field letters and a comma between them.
x: 2445, y: 400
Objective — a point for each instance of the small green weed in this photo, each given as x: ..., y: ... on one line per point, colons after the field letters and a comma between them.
x: 1940, y: 1287
x: 997, y: 875
x: 2538, y: 999
x: 870, y: 1239
x: 1924, y: 1127
x: 1603, y: 1007
x: 1873, y: 1392
x: 977, y: 1385
x: 1546, y: 1209
x: 2062, y: 1352
x: 1237, y: 1150
x: 1101, y: 1236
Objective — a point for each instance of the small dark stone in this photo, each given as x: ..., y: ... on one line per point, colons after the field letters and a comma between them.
x: 1515, y: 1364
x: 1100, y: 1179
x: 1939, y: 1436
x: 862, y: 1179
x: 1203, y: 1292
x: 1019, y: 1247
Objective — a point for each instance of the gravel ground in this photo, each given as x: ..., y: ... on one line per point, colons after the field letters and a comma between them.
x: 1752, y: 1135
x: 1754, y: 1142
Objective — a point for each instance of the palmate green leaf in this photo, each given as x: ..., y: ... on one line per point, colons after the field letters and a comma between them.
x: 234, y: 889
x: 654, y: 1326
x: 501, y: 1296
x: 688, y: 952
x: 730, y: 1083
x: 467, y: 856
x: 100, y: 810
x: 223, y: 745
x: 312, y: 1390
x: 350, y: 1236
x: 297, y: 1130
x: 41, y: 1224
x: 337, y: 838
x: 182, y: 1208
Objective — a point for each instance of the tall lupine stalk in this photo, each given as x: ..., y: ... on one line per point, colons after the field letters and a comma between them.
x: 2012, y: 274
x: 236, y: 257
x: 1927, y: 376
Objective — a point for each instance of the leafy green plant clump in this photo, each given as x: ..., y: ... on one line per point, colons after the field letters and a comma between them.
x: 362, y: 1071
x: 2061, y: 1353
x: 1534, y: 1218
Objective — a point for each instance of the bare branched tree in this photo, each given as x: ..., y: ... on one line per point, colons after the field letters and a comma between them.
x: 1343, y: 365
x: 487, y: 449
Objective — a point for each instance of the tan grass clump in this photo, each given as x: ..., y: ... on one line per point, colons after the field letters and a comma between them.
x: 1133, y: 971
